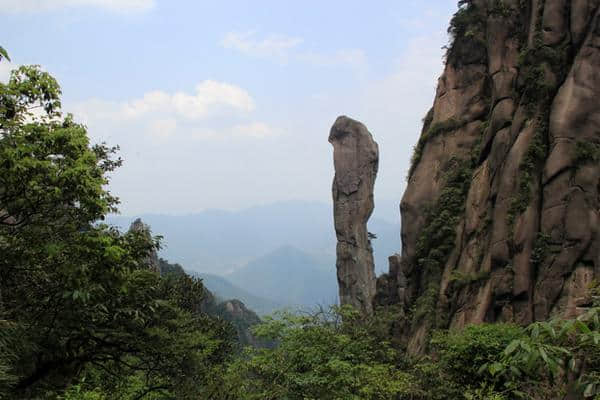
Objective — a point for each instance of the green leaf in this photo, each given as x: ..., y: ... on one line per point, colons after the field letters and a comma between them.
x: 536, y: 331
x: 525, y: 346
x: 495, y: 368
x: 483, y: 368
x: 3, y: 54
x: 515, y: 370
x: 589, y: 390
x: 583, y: 327
x: 544, y: 355
x: 511, y: 347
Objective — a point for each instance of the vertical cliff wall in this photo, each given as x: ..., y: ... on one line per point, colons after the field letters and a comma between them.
x: 500, y: 216
x: 355, y: 157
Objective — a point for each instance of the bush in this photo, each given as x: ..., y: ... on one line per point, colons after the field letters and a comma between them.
x: 321, y: 356
x: 462, y: 354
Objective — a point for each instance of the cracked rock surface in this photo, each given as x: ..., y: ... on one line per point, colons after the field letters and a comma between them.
x: 509, y: 157
x: 356, y: 158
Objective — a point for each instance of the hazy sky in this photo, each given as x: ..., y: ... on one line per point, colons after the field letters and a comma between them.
x: 223, y: 104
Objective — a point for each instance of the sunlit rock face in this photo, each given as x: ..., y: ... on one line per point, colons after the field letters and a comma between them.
x: 500, y: 215
x: 356, y: 157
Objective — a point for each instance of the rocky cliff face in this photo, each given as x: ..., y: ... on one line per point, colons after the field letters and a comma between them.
x: 500, y: 216
x: 356, y: 157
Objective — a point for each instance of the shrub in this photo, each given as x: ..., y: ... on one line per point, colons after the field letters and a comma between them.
x: 462, y: 354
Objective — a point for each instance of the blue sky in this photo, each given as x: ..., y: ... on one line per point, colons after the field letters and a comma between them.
x: 228, y: 104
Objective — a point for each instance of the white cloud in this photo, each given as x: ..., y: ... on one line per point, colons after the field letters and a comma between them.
x: 162, y: 129
x: 29, y: 6
x: 273, y: 46
x: 282, y: 48
x: 257, y: 130
x: 210, y: 99
x: 253, y: 130
x: 349, y: 57
x: 216, y: 111
x: 211, y: 95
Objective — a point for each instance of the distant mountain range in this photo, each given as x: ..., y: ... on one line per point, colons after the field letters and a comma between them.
x: 226, y: 290
x: 271, y: 255
x: 289, y: 276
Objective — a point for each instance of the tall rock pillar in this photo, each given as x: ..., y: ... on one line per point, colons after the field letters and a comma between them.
x: 355, y: 157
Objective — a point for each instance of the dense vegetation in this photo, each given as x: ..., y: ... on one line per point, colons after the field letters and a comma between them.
x: 79, y: 306
x: 340, y: 355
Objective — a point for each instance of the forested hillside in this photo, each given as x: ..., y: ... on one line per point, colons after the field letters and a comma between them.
x: 79, y: 301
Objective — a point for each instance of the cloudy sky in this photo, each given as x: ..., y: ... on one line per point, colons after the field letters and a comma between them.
x: 228, y: 104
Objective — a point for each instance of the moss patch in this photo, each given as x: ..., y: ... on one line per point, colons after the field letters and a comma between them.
x: 530, y: 165
x: 461, y: 279
x: 586, y: 153
x: 541, y: 247
x: 431, y: 131
x: 467, y: 33
x: 436, y: 240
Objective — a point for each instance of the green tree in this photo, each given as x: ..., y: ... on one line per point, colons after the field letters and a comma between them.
x: 558, y: 356
x: 77, y: 298
x: 319, y: 356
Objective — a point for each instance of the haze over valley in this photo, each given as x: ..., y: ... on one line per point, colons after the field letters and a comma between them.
x: 282, y: 253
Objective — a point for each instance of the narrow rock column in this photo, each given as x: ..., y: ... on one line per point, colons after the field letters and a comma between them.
x: 152, y: 259
x: 356, y: 158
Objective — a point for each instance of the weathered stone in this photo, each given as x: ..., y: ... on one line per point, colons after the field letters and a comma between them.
x: 151, y: 259
x: 554, y: 21
x: 528, y: 242
x: 356, y: 158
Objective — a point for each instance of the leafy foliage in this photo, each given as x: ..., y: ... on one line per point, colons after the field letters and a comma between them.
x: 436, y: 239
x: 586, y: 152
x: 467, y: 33
x: 562, y: 354
x: 341, y: 355
x: 3, y: 54
x: 528, y: 172
x: 461, y: 279
x: 321, y: 356
x: 78, y: 299
x: 462, y: 354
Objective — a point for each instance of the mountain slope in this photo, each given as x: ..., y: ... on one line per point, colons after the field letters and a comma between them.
x: 289, y: 276
x: 217, y: 241
x: 225, y: 290
x: 234, y: 311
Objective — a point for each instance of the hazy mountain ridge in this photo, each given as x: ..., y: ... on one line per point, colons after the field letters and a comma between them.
x: 289, y: 276
x: 218, y: 241
x: 225, y: 290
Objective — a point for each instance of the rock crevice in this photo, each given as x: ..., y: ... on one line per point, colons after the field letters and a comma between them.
x: 500, y: 215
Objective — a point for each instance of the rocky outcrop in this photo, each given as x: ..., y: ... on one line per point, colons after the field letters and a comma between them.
x: 356, y: 157
x: 151, y: 259
x: 241, y: 318
x: 500, y: 215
